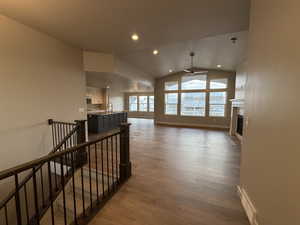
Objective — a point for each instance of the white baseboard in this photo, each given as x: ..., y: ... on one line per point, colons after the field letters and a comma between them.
x: 192, y: 125
x: 248, y: 206
x: 239, y: 137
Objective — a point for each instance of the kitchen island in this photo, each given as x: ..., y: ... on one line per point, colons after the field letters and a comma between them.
x: 99, y: 122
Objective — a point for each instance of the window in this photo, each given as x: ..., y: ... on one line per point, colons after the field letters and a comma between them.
x: 217, y: 102
x: 171, y: 100
x: 143, y: 103
x: 218, y: 84
x: 193, y: 104
x: 132, y: 103
x: 198, y: 96
x: 193, y: 82
x: 151, y: 103
x: 171, y: 86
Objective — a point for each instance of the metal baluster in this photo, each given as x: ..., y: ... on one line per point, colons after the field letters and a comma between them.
x: 26, y: 203
x: 6, y: 217
x: 59, y: 132
x: 73, y: 183
x: 36, y: 197
x: 53, y: 137
x: 90, y: 176
x: 66, y: 161
x: 112, y: 160
x: 102, y: 172
x: 66, y: 146
x: 51, y: 192
x: 42, y: 185
x: 54, y: 161
x: 96, y: 158
x: 107, y: 165
x: 82, y: 186
x: 54, y: 145
x: 70, y: 139
x: 117, y: 174
x: 56, y: 133
x: 63, y: 188
x: 17, y: 199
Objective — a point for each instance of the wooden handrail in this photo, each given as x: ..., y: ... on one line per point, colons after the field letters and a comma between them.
x: 73, y: 159
x: 31, y: 164
x: 29, y: 176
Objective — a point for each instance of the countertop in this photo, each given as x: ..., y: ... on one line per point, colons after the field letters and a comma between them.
x: 103, y: 113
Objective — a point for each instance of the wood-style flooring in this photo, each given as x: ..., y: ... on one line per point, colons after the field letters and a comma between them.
x: 181, y: 176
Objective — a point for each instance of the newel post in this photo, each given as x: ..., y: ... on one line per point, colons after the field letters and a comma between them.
x: 125, y: 164
x: 81, y: 155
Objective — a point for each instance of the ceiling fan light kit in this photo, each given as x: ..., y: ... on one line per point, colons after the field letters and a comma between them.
x: 192, y: 70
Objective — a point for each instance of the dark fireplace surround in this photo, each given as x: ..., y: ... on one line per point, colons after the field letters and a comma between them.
x: 240, y: 124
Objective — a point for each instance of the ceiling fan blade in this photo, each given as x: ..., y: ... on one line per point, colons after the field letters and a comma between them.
x: 200, y: 72
x: 187, y: 71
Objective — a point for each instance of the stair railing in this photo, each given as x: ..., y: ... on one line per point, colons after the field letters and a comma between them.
x: 106, y: 159
x: 64, y: 135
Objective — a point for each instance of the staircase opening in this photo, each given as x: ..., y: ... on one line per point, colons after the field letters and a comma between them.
x: 72, y: 182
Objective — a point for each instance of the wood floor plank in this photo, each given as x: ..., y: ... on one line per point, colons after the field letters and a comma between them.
x: 181, y: 176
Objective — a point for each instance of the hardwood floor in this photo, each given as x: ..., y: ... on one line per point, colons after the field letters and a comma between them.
x: 181, y: 176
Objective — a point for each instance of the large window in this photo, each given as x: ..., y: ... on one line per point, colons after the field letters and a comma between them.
x: 193, y: 104
x: 217, y: 103
x: 218, y: 84
x: 151, y: 103
x: 143, y: 103
x: 171, y: 101
x: 196, y: 95
x: 133, y: 103
x: 171, y: 86
x: 193, y: 82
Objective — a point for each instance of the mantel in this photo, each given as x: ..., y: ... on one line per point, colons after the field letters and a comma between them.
x: 239, y: 103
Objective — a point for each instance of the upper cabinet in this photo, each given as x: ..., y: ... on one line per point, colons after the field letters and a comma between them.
x: 97, y: 95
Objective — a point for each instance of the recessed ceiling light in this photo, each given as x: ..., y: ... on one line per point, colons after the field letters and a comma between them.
x: 135, y: 37
x: 219, y: 66
x: 155, y: 52
x: 170, y: 71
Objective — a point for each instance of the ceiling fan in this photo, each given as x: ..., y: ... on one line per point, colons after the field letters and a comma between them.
x: 192, y: 70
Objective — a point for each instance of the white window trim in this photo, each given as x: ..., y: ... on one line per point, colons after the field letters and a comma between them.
x: 138, y: 102
x: 177, y: 105
x: 225, y: 105
x: 137, y: 105
x: 207, y: 103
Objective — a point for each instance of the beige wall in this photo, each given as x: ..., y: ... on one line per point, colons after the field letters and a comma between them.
x: 98, y: 62
x: 271, y: 151
x: 220, y: 122
x: 118, y: 86
x: 147, y: 115
x: 241, y: 80
x: 40, y: 78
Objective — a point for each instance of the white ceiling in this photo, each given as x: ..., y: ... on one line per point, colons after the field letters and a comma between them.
x: 209, y: 52
x: 106, y: 26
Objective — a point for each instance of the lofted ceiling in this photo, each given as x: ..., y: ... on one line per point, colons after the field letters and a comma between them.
x: 209, y: 52
x: 174, y: 27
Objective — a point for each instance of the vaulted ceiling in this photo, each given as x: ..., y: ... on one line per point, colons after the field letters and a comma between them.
x: 174, y: 27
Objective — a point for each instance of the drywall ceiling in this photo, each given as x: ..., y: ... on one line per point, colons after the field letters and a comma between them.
x: 116, y: 82
x: 209, y: 52
x: 106, y: 25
